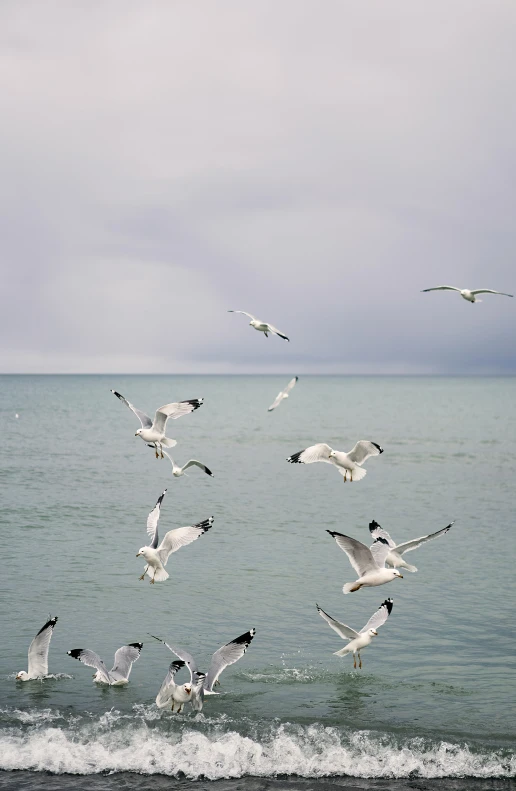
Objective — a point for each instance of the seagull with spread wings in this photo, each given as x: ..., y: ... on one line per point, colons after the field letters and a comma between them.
x: 394, y: 558
x: 361, y: 639
x: 122, y: 665
x: 226, y: 655
x: 38, y: 653
x: 348, y: 464
x: 177, y: 471
x: 368, y: 562
x: 261, y: 326
x: 283, y: 394
x: 466, y: 293
x: 153, y: 431
x: 157, y: 556
x: 179, y: 694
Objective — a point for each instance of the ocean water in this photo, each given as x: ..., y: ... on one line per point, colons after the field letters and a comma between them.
x: 434, y: 705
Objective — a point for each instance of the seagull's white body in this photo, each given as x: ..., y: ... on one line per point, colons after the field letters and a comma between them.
x: 358, y: 640
x: 261, y: 326
x: 38, y: 653
x: 394, y: 558
x: 466, y: 293
x: 368, y: 562
x: 348, y: 464
x: 283, y: 394
x: 176, y: 695
x: 119, y: 674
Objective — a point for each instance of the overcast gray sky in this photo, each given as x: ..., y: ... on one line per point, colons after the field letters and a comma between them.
x: 314, y: 163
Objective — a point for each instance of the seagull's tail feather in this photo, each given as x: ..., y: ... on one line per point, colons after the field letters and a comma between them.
x: 350, y: 587
x: 169, y: 443
x: 160, y: 576
x: 358, y: 473
x: 342, y: 652
x: 408, y: 567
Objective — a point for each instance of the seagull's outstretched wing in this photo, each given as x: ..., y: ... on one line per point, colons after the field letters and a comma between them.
x: 227, y: 655
x: 38, y: 649
x: 195, y: 463
x: 342, y: 630
x: 408, y: 546
x: 153, y: 519
x: 440, y: 288
x: 124, y: 658
x: 320, y: 452
x: 197, y: 699
x: 363, y: 450
x: 174, y: 410
x: 277, y: 332
x: 180, y: 537
x: 282, y: 393
x: 358, y: 554
x: 142, y: 417
x: 490, y: 291
x: 91, y: 659
x: 167, y: 687
x: 186, y: 658
x: 377, y: 531
x: 379, y: 617
x: 379, y: 550
x: 249, y: 315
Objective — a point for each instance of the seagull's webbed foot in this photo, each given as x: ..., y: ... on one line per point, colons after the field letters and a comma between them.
x: 156, y: 452
x: 152, y: 581
x: 142, y: 577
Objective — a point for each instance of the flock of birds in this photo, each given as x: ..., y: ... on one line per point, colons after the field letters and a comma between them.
x: 374, y: 565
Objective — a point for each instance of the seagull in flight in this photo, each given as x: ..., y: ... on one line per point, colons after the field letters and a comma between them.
x: 466, y: 293
x: 368, y: 562
x: 348, y: 464
x: 153, y: 431
x: 226, y: 655
x: 394, y: 558
x: 361, y: 639
x: 283, y: 394
x: 122, y: 665
x: 261, y: 326
x: 38, y: 653
x: 178, y: 471
x: 157, y: 556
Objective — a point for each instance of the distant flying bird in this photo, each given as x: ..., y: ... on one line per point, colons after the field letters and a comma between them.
x: 368, y: 562
x: 261, y: 326
x: 348, y: 464
x: 226, y: 655
x: 394, y: 558
x: 176, y: 695
x: 153, y: 431
x: 178, y: 471
x: 122, y: 665
x: 38, y: 653
x: 283, y: 394
x: 466, y: 294
x: 157, y: 556
x: 361, y: 639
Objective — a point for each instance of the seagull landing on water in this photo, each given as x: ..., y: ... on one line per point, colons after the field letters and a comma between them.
x: 153, y: 431
x: 38, y: 653
x: 178, y: 471
x: 261, y: 326
x: 348, y: 464
x: 470, y: 296
x: 122, y: 665
x: 368, y: 562
x: 157, y: 556
x: 283, y: 394
x: 361, y: 639
x: 394, y: 558
x: 179, y: 694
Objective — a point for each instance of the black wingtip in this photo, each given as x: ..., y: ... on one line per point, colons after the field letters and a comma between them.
x: 51, y: 622
x: 245, y: 638
x: 75, y: 652
x: 139, y: 646
x: 378, y: 447
x: 194, y: 402
x: 373, y: 525
x: 388, y: 603
x: 117, y: 394
x: 294, y: 459
x: 381, y: 540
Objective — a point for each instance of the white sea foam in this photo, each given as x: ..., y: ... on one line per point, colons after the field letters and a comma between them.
x: 113, y: 745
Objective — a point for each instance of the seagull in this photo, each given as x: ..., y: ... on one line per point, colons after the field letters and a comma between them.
x: 38, y: 653
x: 154, y: 430
x: 394, y: 558
x: 348, y: 464
x: 283, y: 394
x: 361, y: 639
x: 470, y: 296
x: 368, y: 562
x: 226, y: 655
x: 180, y: 694
x: 122, y: 665
x: 178, y: 471
x: 157, y: 556
x: 261, y: 326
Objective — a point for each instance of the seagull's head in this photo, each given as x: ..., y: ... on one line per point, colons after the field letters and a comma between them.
x: 397, y: 574
x: 373, y: 632
x: 138, y: 432
x: 187, y: 689
x: 332, y: 454
x: 142, y: 551
x: 22, y: 676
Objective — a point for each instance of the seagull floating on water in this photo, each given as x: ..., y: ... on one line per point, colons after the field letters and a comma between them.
x: 38, y: 653
x: 122, y: 665
x: 394, y: 558
x: 283, y: 394
x: 178, y: 471
x: 153, y: 431
x: 261, y: 326
x: 466, y: 293
x: 361, y: 639
x: 348, y: 464
x: 157, y: 556
x: 368, y: 562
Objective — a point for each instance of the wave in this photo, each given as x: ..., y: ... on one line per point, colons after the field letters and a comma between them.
x: 149, y: 742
